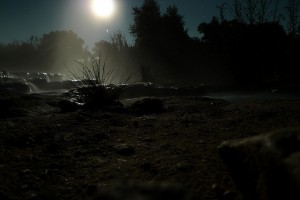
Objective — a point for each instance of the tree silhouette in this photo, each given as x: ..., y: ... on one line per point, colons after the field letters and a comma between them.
x: 146, y: 26
x: 119, y: 41
x: 45, y: 54
x: 173, y: 26
x: 254, y: 51
x: 18, y: 56
x: 255, y: 11
x: 292, y: 15
x: 119, y: 56
x: 102, y: 47
x: 160, y: 38
x: 58, y: 48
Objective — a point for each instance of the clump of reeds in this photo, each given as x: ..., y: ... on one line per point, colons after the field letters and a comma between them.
x: 98, y: 87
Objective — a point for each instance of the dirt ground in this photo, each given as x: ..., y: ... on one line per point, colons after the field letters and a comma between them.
x: 47, y: 154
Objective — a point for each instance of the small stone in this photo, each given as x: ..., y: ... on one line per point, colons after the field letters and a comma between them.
x: 147, y: 139
x: 124, y: 149
x: 183, y: 166
x: 146, y: 166
x: 228, y: 194
x: 135, y: 124
x: 91, y: 189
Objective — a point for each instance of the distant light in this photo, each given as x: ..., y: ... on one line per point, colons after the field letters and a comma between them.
x: 103, y: 8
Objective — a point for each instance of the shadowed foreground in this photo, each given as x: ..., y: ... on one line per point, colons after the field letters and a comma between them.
x: 48, y: 154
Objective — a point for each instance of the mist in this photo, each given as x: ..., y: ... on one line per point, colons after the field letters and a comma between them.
x: 240, y: 52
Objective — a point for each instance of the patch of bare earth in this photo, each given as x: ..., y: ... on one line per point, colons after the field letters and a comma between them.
x: 46, y: 154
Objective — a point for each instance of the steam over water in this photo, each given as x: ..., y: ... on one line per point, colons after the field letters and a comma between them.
x: 236, y: 97
x: 33, y: 88
x: 56, y: 84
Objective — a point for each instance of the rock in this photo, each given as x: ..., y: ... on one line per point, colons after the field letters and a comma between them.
x: 67, y: 106
x: 124, y: 149
x: 18, y: 140
x: 146, y: 139
x: 53, y: 148
x: 14, y: 88
x: 114, y: 107
x: 266, y: 166
x: 147, y: 106
x: 146, y: 166
x: 183, y: 166
x: 99, y: 136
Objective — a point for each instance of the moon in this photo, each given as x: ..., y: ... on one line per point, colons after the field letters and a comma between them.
x: 103, y: 8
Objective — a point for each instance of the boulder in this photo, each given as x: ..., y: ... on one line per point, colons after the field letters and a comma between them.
x: 147, y: 106
x: 267, y: 166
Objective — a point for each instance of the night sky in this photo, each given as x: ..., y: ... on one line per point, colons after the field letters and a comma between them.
x: 20, y: 19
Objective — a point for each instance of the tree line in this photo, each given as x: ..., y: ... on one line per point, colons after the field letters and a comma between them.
x: 41, y: 54
x: 250, y: 44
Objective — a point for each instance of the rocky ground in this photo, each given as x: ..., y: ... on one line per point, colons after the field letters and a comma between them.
x: 49, y: 154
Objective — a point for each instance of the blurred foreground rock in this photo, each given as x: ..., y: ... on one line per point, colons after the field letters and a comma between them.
x: 267, y: 166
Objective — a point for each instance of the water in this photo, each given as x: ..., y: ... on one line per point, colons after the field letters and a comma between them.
x: 33, y: 87
x: 53, y: 84
x: 55, y: 92
x: 236, y: 97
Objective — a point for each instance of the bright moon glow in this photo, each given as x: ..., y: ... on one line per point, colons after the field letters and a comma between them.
x: 103, y: 8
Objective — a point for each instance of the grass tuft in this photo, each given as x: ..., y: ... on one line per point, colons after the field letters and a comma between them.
x: 98, y: 87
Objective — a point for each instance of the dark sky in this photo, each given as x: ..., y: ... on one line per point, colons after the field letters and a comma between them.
x: 20, y: 19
